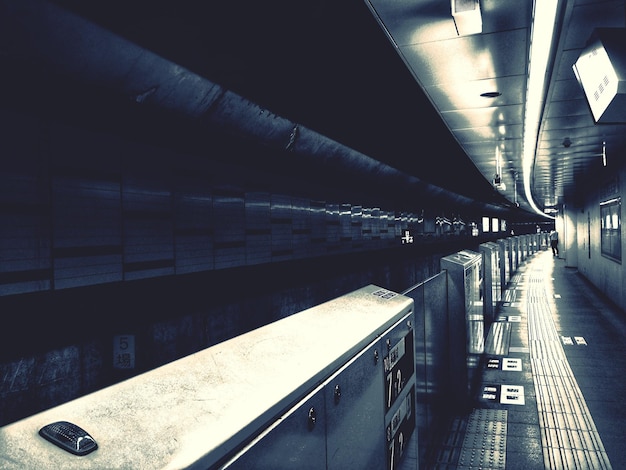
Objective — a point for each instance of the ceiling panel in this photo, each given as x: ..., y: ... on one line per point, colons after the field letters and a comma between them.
x: 412, y: 22
x: 468, y: 58
x: 453, y: 97
x: 588, y: 15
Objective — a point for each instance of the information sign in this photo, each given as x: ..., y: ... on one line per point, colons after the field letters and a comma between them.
x: 124, y: 352
x: 400, y: 429
x: 399, y: 368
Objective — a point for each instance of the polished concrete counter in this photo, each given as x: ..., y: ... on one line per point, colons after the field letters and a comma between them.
x: 194, y: 412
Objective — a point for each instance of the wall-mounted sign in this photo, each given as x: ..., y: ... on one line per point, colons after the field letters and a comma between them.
x: 124, y: 352
x: 406, y: 237
x: 399, y: 373
x: 399, y: 368
x: 400, y: 429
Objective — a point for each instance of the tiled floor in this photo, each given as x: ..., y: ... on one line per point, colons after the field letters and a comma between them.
x: 552, y: 393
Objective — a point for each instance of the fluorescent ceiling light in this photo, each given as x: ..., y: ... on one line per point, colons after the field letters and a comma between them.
x: 542, y: 32
x: 467, y: 18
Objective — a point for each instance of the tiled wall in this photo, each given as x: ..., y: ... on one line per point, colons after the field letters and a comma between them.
x: 79, y: 209
x: 61, y: 345
x: 82, y: 213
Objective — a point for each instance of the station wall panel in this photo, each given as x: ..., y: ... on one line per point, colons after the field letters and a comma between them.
x: 147, y: 224
x: 281, y: 224
x: 193, y: 226
x: 230, y: 227
x: 301, y: 227
x: 258, y: 227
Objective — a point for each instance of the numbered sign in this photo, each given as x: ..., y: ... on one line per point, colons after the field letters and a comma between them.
x: 407, y: 237
x: 399, y: 373
x: 124, y: 352
x: 400, y: 429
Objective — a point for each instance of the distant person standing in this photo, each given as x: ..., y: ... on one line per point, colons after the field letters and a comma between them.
x: 554, y: 242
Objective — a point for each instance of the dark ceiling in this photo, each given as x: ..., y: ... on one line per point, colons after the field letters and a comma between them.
x: 326, y: 65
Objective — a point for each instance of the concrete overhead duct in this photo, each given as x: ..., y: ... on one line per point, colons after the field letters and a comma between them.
x: 61, y: 42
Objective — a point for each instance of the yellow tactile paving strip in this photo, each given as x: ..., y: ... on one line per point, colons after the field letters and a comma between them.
x: 569, y: 438
x: 568, y: 433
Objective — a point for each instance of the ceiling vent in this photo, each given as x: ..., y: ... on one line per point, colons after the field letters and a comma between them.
x: 601, y: 72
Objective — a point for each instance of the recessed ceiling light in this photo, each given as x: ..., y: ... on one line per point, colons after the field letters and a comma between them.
x: 490, y: 94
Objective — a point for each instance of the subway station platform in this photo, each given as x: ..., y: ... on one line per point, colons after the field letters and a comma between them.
x: 551, y: 392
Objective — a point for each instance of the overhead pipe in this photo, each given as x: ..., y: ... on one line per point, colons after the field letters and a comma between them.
x: 65, y: 43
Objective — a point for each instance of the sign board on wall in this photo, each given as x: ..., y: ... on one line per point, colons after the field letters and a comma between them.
x: 399, y: 367
x: 124, y: 352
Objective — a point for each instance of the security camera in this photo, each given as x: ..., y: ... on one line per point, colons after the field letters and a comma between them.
x: 567, y: 142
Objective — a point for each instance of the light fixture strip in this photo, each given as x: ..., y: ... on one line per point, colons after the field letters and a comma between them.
x: 541, y: 34
x: 498, y: 168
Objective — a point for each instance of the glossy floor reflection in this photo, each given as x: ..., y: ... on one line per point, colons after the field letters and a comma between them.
x: 553, y: 379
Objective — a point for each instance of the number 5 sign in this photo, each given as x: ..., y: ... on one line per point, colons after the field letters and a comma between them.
x: 124, y: 352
